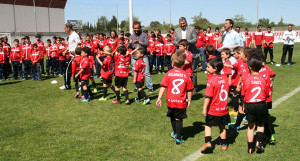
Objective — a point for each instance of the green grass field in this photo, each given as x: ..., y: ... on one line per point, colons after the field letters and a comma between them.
x: 38, y: 121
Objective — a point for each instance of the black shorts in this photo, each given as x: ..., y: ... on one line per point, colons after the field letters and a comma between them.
x: 106, y: 81
x: 217, y: 120
x: 177, y: 113
x: 121, y: 81
x: 84, y: 82
x: 92, y: 72
x: 78, y: 78
x: 139, y: 84
x: 269, y: 105
x: 256, y: 112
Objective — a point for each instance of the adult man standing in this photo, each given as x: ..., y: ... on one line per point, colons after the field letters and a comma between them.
x: 188, y: 33
x: 289, y: 38
x: 74, y: 40
x: 268, y: 38
x: 231, y: 39
x: 258, y: 38
x: 238, y: 30
x: 140, y: 39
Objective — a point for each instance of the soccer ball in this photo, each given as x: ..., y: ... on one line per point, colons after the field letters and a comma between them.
x: 54, y: 82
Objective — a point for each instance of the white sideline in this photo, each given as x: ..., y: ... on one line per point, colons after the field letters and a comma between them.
x: 197, y: 154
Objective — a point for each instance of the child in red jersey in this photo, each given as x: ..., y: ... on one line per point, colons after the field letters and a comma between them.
x: 159, y: 55
x: 267, y: 73
x: 54, y: 57
x: 215, y: 106
x: 48, y: 57
x: 151, y: 50
x: 93, y: 71
x: 41, y: 48
x: 26, y: 59
x: 179, y: 94
x: 139, y: 76
x: 15, y: 59
x: 113, y: 41
x: 122, y: 60
x: 107, y: 71
x: 36, y: 57
x: 61, y: 58
x: 225, y: 54
x: 75, y: 69
x: 189, y: 58
x: 169, y: 49
x: 85, y: 74
x: 210, y: 50
x: 255, y: 93
x: 3, y: 59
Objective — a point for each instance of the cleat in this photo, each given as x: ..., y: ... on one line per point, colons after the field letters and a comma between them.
x: 260, y: 148
x: 150, y: 90
x: 207, y: 148
x: 205, y: 72
x: 127, y: 102
x: 278, y: 65
x: 32, y: 79
x: 137, y: 99
x: 116, y: 102
x: 77, y: 95
x: 172, y: 135
x: 179, y: 141
x: 289, y: 64
x: 235, y: 117
x: 62, y: 87
x: 272, y: 62
x: 272, y: 140
x: 21, y: 79
x: 231, y: 112
x: 85, y: 100
x: 231, y: 126
x: 95, y: 90
x: 146, y: 101
x: 102, y: 99
x: 224, y: 147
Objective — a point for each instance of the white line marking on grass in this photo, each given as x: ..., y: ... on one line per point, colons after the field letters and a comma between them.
x: 197, y: 154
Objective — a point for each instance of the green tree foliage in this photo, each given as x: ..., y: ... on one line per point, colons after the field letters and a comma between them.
x: 200, y: 21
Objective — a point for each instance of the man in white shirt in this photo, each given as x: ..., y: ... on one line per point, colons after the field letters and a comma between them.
x: 288, y: 45
x: 74, y: 40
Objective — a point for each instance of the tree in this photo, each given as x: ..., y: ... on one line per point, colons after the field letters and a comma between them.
x: 200, y: 21
x: 102, y: 24
x: 126, y: 26
x: 281, y: 23
x: 155, y: 24
x: 113, y: 23
x: 123, y: 23
x: 240, y: 21
x: 264, y: 22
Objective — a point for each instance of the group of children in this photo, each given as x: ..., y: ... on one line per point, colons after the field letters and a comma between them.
x: 247, y: 81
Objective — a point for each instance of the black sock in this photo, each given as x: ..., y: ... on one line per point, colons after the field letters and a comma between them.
x: 126, y: 94
x: 207, y: 139
x: 259, y: 136
x: 76, y: 87
x: 179, y: 125
x: 235, y: 103
x: 139, y: 95
x: 113, y: 88
x: 239, y: 119
x: 94, y: 84
x: 223, y: 141
x: 118, y: 95
x: 143, y: 94
x: 173, y: 123
x: 251, y: 145
x: 85, y: 93
x: 90, y: 92
x: 104, y: 92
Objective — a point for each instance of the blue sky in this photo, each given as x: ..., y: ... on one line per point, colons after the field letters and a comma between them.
x: 216, y: 11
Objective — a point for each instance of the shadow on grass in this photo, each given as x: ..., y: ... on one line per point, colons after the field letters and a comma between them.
x: 231, y: 136
x: 8, y: 83
x: 193, y: 130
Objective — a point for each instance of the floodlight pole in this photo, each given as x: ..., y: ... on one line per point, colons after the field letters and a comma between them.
x: 15, y: 17
x: 257, y: 13
x: 130, y: 17
x: 35, y: 17
x: 170, y: 15
x: 117, y: 20
x: 49, y: 14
